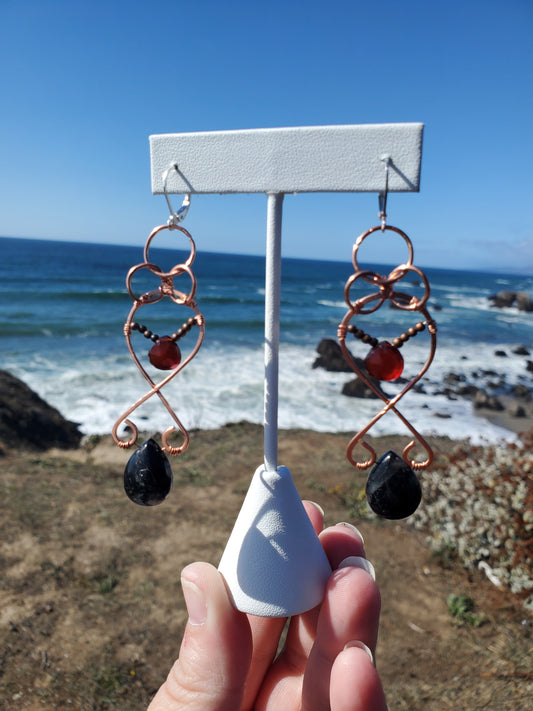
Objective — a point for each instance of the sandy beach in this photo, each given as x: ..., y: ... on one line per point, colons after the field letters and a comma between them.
x: 91, y: 605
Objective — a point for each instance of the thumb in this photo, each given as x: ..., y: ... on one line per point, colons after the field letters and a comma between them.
x: 215, y: 653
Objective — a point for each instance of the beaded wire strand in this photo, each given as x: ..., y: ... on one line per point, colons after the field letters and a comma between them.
x: 187, y: 326
x: 396, y: 342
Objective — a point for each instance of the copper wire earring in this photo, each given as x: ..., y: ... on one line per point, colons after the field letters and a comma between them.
x: 148, y: 474
x: 393, y: 490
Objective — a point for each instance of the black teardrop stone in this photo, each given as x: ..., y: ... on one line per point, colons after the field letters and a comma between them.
x: 148, y: 475
x: 393, y: 490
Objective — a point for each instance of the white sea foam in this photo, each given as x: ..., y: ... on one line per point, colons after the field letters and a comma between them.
x: 226, y: 385
x: 71, y: 352
x: 333, y: 304
x: 469, y: 303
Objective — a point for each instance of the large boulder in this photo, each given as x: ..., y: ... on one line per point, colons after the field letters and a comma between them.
x: 482, y: 400
x: 330, y: 357
x: 358, y: 388
x: 504, y: 299
x: 521, y: 392
x: 28, y: 422
x: 524, y: 301
x: 521, y: 350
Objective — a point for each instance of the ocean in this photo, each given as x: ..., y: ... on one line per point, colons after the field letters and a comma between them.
x: 63, y: 306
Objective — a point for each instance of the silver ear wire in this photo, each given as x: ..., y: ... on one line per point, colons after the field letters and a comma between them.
x: 175, y: 217
x: 382, y: 197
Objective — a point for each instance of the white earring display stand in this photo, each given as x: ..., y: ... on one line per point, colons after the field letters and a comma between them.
x: 273, y: 563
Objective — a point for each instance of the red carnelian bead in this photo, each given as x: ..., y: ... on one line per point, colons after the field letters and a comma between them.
x: 384, y: 362
x: 165, y: 354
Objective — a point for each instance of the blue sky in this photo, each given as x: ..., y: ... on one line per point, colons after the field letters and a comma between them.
x: 84, y: 83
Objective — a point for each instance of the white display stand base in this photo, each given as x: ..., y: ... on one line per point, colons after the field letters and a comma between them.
x: 274, y: 564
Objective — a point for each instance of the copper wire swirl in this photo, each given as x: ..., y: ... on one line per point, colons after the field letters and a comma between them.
x: 369, y: 304
x: 165, y: 290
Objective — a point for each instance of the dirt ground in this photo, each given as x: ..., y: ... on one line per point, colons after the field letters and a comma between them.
x: 91, y: 610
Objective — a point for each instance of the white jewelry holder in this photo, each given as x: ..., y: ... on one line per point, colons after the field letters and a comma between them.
x: 274, y: 564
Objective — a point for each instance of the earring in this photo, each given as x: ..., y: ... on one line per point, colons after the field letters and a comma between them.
x: 148, y: 474
x: 393, y: 490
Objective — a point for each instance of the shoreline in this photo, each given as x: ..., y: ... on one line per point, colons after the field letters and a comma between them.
x: 505, y: 420
x: 104, y: 450
x: 502, y: 419
x: 99, y: 443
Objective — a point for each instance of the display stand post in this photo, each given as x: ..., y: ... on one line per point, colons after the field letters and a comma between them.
x: 272, y: 310
x: 273, y: 563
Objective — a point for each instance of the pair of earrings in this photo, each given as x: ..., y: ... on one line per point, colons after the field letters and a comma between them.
x: 393, y: 490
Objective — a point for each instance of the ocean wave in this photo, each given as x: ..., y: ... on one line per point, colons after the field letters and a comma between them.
x: 63, y: 335
x: 472, y: 303
x: 54, y: 295
x: 223, y: 386
x: 332, y: 304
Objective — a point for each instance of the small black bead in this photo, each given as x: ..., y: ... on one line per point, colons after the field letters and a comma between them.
x: 393, y: 490
x: 148, y: 475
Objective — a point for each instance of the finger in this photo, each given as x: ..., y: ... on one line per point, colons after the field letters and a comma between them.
x: 355, y: 684
x: 342, y: 541
x: 350, y: 611
x: 339, y: 542
x: 316, y: 515
x: 215, y: 652
x: 266, y: 632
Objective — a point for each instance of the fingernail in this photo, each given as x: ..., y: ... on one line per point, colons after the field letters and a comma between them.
x: 361, y: 645
x: 352, y: 528
x: 355, y: 561
x: 317, y: 506
x: 195, y: 602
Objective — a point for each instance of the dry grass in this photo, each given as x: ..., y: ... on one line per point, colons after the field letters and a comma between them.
x: 91, y: 609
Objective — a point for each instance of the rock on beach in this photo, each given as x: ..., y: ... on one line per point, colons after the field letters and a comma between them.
x: 509, y: 406
x: 28, y: 422
x: 331, y: 358
x: 506, y: 299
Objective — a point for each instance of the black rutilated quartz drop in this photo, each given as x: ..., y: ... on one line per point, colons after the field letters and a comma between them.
x: 393, y: 490
x: 148, y: 475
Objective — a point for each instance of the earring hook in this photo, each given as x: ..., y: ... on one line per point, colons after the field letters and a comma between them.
x: 382, y: 197
x: 175, y: 217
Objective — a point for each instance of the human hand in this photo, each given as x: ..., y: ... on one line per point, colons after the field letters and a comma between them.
x: 227, y: 658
